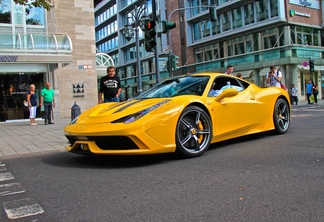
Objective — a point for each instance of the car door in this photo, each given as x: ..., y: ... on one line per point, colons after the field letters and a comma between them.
x: 234, y: 115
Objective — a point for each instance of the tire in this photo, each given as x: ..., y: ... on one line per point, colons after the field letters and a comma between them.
x: 281, y: 116
x: 193, y: 132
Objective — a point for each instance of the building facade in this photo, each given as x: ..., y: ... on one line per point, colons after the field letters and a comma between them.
x: 253, y: 35
x: 250, y: 35
x: 38, y: 46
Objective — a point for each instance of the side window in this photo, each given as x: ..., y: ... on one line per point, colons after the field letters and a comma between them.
x: 244, y: 84
x: 222, y: 83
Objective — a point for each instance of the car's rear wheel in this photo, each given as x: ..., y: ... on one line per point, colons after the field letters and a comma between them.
x: 281, y: 116
x: 193, y: 133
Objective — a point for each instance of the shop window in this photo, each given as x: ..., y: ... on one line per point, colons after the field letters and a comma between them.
x: 14, y: 88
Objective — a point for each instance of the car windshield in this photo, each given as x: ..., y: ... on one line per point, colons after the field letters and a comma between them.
x: 185, y: 85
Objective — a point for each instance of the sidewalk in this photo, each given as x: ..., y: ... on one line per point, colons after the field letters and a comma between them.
x: 22, y: 138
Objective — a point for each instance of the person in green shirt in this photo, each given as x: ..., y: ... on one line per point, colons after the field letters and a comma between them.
x: 48, y: 100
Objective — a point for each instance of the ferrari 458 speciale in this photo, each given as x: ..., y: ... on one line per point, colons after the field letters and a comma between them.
x: 184, y: 114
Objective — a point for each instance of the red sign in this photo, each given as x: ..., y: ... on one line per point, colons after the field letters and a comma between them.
x: 305, y: 63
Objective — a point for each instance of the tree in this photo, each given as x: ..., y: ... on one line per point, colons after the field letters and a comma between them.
x: 36, y: 3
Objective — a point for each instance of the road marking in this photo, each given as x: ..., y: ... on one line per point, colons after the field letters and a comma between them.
x: 2, y: 168
x: 301, y: 115
x: 6, y: 176
x: 22, y: 208
x: 11, y: 188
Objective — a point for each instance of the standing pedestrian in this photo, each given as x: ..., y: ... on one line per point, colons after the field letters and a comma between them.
x: 274, y: 77
x: 315, y: 92
x: 294, y: 94
x: 32, y: 104
x: 229, y: 70
x: 239, y: 75
x: 110, y: 87
x: 309, y: 91
x: 48, y: 100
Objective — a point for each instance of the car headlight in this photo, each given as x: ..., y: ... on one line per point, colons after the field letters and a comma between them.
x: 138, y: 115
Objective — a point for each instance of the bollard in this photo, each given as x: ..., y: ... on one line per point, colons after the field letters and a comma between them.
x: 75, y: 111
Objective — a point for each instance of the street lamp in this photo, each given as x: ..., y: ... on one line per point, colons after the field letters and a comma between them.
x: 137, y: 17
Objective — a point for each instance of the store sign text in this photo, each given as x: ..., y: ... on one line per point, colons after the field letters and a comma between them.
x: 293, y: 13
x: 315, y: 4
x: 8, y: 58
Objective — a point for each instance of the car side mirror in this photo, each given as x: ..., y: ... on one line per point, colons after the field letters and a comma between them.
x: 226, y: 93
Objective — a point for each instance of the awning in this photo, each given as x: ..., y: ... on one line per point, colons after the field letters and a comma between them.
x: 245, y: 74
x: 264, y: 71
x: 300, y: 67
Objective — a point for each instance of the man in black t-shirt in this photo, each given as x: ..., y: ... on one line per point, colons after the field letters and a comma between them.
x: 109, y: 86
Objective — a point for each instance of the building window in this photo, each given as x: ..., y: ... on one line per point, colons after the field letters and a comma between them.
x: 274, y: 8
x: 206, y: 29
x: 220, y: 2
x: 5, y: 12
x: 230, y: 48
x: 270, y: 38
x: 239, y: 46
x: 197, y: 10
x: 130, y: 71
x: 18, y: 15
x: 226, y: 21
x: 197, y: 31
x: 216, y: 26
x: 249, y: 43
x: 237, y: 18
x: 207, y: 53
x: 248, y: 14
x: 306, y: 36
x: 261, y: 10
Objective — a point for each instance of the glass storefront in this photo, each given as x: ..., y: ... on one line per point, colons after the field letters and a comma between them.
x: 14, y: 88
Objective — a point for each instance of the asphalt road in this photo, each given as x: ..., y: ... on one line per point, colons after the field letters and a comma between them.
x: 255, y: 178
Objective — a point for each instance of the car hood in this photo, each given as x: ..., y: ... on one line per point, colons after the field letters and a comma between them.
x: 111, y: 111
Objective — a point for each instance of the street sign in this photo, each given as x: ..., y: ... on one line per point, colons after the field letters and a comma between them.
x: 166, y: 50
x: 305, y: 64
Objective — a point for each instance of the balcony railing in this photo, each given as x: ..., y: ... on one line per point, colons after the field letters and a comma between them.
x: 35, y: 43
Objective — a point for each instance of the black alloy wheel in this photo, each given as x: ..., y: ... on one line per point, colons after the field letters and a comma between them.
x: 194, y: 132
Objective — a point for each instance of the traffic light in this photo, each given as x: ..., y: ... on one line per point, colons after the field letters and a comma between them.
x: 311, y: 65
x: 166, y: 26
x: 149, y: 35
x: 175, y: 62
x: 212, y: 14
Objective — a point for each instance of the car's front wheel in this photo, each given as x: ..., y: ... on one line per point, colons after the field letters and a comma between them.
x: 194, y: 132
x: 281, y: 116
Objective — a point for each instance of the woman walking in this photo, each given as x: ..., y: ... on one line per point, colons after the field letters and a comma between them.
x: 315, y: 92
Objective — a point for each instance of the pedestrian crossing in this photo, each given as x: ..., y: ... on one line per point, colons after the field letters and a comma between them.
x: 15, y: 207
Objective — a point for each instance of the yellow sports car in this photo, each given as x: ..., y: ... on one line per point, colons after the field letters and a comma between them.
x: 184, y: 114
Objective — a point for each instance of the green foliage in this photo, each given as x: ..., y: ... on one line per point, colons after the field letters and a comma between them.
x: 36, y: 3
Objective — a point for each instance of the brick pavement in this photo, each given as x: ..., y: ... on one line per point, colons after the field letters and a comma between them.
x: 22, y: 138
